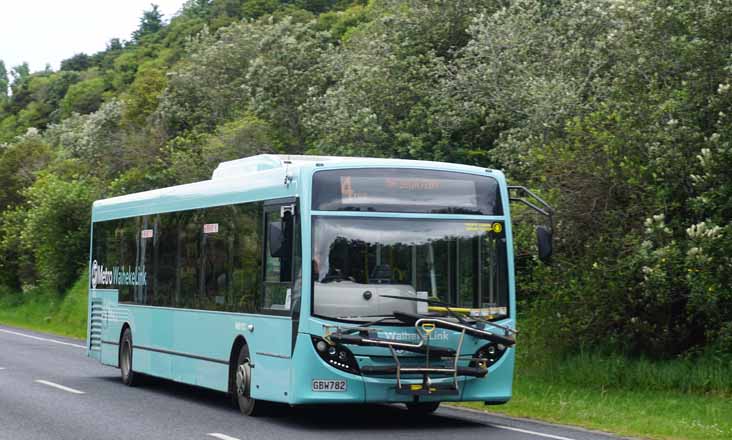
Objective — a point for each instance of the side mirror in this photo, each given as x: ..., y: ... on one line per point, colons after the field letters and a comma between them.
x: 277, y: 240
x: 544, y: 243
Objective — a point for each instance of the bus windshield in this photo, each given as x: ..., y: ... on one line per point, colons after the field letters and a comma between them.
x: 357, y: 260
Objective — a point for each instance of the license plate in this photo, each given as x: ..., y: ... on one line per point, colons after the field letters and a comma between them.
x: 329, y: 385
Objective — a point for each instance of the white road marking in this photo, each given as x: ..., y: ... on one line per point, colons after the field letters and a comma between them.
x: 41, y: 339
x: 60, y: 387
x: 526, y: 431
x: 222, y: 436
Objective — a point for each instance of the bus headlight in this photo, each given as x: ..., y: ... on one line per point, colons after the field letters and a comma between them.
x: 488, y: 355
x: 336, y: 355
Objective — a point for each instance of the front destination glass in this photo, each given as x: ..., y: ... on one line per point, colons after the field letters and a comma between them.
x: 356, y: 260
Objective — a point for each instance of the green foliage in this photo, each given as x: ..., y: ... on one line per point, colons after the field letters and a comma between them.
x: 195, y: 156
x: 143, y: 95
x: 386, y: 76
x: 54, y: 228
x: 42, y: 309
x: 84, y: 97
x: 616, y: 112
x: 19, y: 163
x: 3, y: 85
x: 151, y: 23
x: 77, y: 63
x: 258, y: 8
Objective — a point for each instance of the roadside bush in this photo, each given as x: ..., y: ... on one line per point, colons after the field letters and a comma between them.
x: 55, y: 229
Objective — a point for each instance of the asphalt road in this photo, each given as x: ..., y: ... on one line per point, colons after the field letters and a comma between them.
x: 49, y: 389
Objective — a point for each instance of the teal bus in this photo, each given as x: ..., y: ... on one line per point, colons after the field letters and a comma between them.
x: 308, y: 280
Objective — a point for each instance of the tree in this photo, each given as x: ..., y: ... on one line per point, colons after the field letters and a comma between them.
x: 384, y: 92
x: 144, y: 93
x: 115, y: 44
x: 84, y: 97
x: 3, y: 84
x: 19, y: 164
x: 150, y: 23
x: 19, y: 87
x: 55, y: 228
x: 78, y: 62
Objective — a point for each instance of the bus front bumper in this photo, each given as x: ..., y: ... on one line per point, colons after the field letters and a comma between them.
x: 310, y: 372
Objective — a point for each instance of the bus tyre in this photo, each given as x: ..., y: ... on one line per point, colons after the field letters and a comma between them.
x: 422, y: 407
x: 247, y: 405
x: 129, y: 377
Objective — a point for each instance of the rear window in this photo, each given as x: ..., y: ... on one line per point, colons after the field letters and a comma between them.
x: 405, y: 190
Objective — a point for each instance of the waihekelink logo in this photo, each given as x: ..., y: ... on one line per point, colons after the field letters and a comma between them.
x: 411, y: 337
x: 118, y: 276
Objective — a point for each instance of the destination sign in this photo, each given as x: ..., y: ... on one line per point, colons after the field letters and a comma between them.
x: 405, y: 190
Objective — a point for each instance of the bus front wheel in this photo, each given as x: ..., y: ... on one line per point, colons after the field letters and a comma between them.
x: 247, y: 405
x: 129, y: 377
x: 422, y: 407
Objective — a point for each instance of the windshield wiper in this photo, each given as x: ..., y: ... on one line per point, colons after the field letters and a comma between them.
x: 431, y: 302
x: 453, y: 313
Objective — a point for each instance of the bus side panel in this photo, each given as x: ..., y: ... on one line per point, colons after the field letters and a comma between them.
x: 270, y: 345
x: 105, y: 321
x: 204, y: 341
x: 193, y: 347
x: 150, y: 331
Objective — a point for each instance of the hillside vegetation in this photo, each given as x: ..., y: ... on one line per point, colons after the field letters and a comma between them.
x: 619, y: 112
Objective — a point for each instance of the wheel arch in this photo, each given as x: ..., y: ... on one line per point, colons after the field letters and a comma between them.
x: 239, y: 342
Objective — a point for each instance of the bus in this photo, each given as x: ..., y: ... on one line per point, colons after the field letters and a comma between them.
x: 310, y: 280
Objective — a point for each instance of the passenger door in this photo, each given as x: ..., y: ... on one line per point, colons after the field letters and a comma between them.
x: 280, y: 299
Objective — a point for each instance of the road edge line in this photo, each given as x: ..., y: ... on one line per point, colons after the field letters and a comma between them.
x: 58, y: 386
x: 40, y: 338
x: 220, y: 436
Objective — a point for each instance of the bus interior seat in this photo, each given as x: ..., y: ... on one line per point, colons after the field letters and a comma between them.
x: 382, y: 274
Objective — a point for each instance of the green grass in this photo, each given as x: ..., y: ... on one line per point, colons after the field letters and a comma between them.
x: 649, y: 414
x: 677, y: 399
x: 38, y: 309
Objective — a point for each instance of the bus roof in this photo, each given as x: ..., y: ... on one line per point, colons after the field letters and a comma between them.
x: 261, y: 177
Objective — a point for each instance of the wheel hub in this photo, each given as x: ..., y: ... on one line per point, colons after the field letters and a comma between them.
x: 243, y: 379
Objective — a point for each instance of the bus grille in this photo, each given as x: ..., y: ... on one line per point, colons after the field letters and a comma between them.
x: 95, y: 332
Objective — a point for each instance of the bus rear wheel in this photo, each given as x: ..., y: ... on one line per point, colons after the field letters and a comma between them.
x: 247, y: 405
x: 129, y: 377
x: 423, y: 407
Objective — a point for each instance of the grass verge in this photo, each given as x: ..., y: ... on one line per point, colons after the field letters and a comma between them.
x: 677, y: 399
x: 46, y: 311
x: 656, y: 415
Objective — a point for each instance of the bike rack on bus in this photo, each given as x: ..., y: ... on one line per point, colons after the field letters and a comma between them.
x: 424, y: 327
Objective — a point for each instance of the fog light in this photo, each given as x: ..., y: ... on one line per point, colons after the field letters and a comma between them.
x: 332, y: 351
x: 321, y: 346
x: 488, y: 355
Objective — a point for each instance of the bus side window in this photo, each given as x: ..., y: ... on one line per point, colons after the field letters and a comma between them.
x: 278, y: 259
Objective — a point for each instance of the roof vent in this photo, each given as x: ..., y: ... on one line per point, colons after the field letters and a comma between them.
x: 248, y: 165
